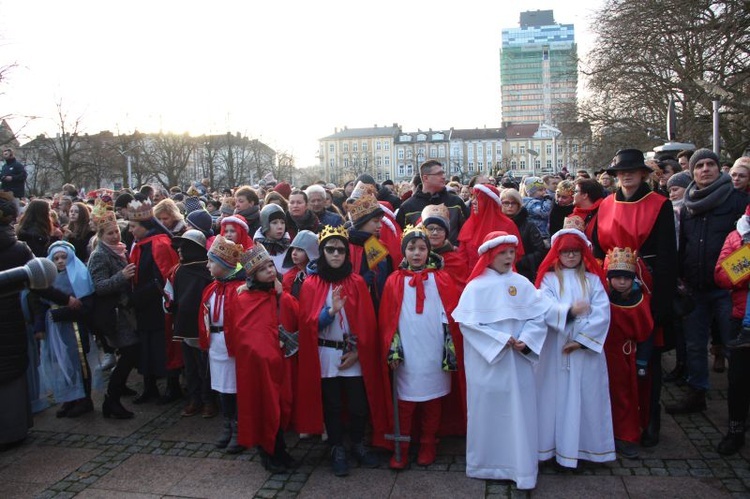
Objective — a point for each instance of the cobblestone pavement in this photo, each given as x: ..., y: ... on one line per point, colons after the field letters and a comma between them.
x: 160, y: 454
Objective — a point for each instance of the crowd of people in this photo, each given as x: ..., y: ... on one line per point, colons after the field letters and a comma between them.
x: 389, y: 315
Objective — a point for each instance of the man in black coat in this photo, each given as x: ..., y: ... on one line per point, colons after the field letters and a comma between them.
x: 711, y: 208
x: 13, y: 175
x: 433, y: 191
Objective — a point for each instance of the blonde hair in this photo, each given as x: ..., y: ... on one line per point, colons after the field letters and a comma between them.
x: 511, y: 193
x: 169, y: 207
x: 580, y: 274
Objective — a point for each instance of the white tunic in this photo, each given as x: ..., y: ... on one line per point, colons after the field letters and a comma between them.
x: 330, y: 358
x: 574, y: 388
x: 501, y: 439
x: 421, y: 376
x: 223, y: 372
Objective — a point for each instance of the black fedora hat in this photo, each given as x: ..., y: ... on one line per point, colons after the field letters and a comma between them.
x: 628, y: 160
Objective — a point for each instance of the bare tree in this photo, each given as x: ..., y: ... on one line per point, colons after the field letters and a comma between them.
x: 66, y: 147
x: 167, y: 157
x: 648, y: 51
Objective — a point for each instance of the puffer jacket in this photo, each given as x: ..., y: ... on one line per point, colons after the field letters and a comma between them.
x: 732, y: 243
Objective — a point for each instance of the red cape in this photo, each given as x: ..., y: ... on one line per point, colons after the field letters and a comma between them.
x: 454, y: 405
x: 456, y: 267
x: 229, y: 290
x: 166, y: 260
x: 252, y: 324
x: 308, y: 415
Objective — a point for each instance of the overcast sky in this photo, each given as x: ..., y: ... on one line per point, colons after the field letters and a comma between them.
x: 286, y: 72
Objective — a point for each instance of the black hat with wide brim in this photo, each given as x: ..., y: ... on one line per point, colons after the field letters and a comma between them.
x: 628, y: 160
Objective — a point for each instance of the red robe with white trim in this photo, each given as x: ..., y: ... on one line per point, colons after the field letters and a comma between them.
x: 308, y: 415
x: 454, y: 404
x: 252, y: 328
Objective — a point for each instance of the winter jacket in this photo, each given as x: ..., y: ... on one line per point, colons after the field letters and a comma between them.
x: 411, y: 210
x: 533, y: 246
x: 732, y: 243
x: 17, y: 184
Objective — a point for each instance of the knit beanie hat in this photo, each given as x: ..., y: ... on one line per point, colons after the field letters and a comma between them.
x: 414, y: 232
x: 699, y: 155
x: 436, y: 214
x: 192, y: 204
x: 681, y: 179
x: 284, y: 189
x: 201, y: 220
x: 268, y: 214
x: 533, y: 184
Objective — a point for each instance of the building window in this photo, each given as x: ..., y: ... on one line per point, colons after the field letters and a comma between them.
x: 409, y: 153
x: 420, y: 154
x: 537, y: 164
x: 441, y: 151
x: 523, y: 164
x: 380, y: 176
x: 377, y: 145
x: 559, y: 148
x: 480, y: 165
x: 549, y: 164
x: 400, y: 170
x: 522, y: 149
x: 559, y: 164
x: 387, y: 146
x: 513, y: 150
x: 387, y: 175
x: 346, y: 163
x: 364, y: 146
x: 400, y: 153
x: 378, y: 161
x: 549, y: 149
x: 513, y: 164
x: 354, y: 147
x: 332, y: 162
x: 480, y: 149
x: 331, y: 148
x: 346, y: 147
x: 471, y: 167
x: 410, y: 169
x: 387, y: 161
x: 433, y: 152
x: 575, y: 147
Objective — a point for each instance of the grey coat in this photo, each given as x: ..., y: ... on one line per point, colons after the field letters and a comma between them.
x: 105, y: 268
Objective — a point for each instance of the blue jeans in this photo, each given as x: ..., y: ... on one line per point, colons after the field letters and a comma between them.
x: 710, y: 306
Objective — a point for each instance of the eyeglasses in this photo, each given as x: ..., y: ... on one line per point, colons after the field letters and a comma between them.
x: 335, y: 249
x: 510, y: 203
x: 441, y: 172
x: 435, y: 229
x: 571, y: 252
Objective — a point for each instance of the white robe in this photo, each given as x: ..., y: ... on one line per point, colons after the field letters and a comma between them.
x: 574, y: 388
x: 501, y: 438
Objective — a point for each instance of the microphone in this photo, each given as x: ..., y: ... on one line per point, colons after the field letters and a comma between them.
x: 39, y: 273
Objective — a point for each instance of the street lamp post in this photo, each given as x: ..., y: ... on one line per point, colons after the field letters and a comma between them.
x: 124, y: 153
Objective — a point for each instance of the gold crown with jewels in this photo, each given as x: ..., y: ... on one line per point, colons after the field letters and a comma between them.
x: 139, y: 211
x: 225, y: 250
x: 329, y: 232
x: 574, y: 222
x: 102, y: 217
x: 362, y: 207
x: 621, y: 259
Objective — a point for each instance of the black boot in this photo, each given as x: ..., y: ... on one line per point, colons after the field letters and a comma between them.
x: 173, y: 391
x: 339, y: 462
x: 734, y: 440
x: 272, y: 463
x: 226, y: 434
x: 233, y: 447
x: 112, y: 408
x: 81, y: 407
x: 675, y: 374
x: 64, y: 409
x: 693, y: 401
x: 150, y: 391
x: 281, y: 454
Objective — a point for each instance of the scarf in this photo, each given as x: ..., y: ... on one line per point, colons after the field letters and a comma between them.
x: 329, y: 274
x: 308, y: 221
x: 445, y: 248
x: 586, y: 214
x: 251, y: 215
x: 274, y: 246
x: 417, y: 276
x: 119, y: 249
x: 699, y: 201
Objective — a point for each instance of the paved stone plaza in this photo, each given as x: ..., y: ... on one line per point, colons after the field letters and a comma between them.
x: 160, y: 454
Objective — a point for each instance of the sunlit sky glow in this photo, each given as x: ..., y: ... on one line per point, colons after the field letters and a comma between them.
x: 286, y: 72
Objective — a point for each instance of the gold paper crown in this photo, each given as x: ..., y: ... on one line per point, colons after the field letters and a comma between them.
x: 362, y: 207
x: 329, y: 232
x: 621, y: 259
x: 362, y: 189
x: 435, y: 210
x: 102, y: 216
x: 226, y: 251
x: 139, y: 211
x: 253, y: 258
x: 574, y: 222
x: 411, y: 230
